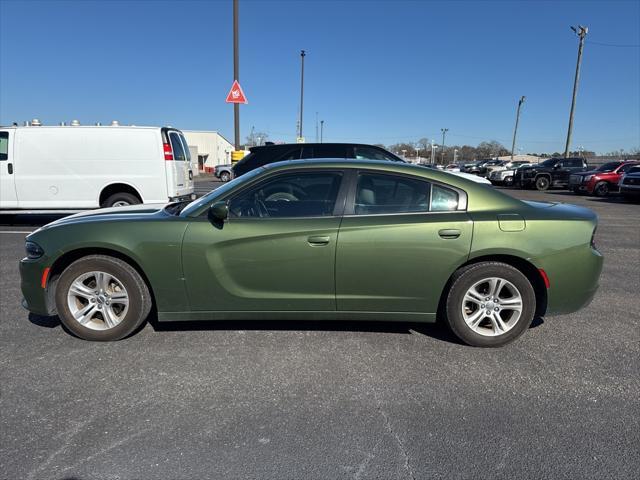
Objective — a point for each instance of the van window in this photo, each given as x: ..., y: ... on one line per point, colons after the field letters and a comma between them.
x: 187, y: 152
x: 4, y: 145
x: 176, y: 145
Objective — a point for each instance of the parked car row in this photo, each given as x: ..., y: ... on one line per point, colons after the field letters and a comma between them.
x: 569, y: 173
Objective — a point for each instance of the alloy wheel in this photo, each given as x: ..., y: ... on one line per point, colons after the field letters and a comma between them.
x: 98, y: 300
x: 492, y: 306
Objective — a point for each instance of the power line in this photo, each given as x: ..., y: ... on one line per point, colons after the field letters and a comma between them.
x: 630, y: 45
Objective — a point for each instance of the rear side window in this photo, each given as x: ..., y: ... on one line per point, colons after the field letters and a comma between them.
x: 378, y: 194
x: 388, y: 194
x: 176, y: 145
x: 443, y: 199
x: 370, y: 153
x: 4, y: 145
x: 329, y: 151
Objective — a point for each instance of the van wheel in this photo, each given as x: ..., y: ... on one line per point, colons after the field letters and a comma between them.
x: 225, y: 177
x: 542, y: 183
x: 490, y: 304
x: 101, y: 298
x: 121, y: 200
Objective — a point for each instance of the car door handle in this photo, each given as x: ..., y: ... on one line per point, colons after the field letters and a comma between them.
x: 317, y: 241
x: 449, y: 233
x: 10, y: 168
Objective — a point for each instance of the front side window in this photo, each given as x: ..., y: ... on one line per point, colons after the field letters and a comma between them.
x: 379, y: 193
x: 4, y: 145
x: 625, y: 168
x: 305, y: 194
x: 176, y: 145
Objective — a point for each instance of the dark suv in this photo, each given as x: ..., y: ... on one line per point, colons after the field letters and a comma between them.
x: 554, y: 172
x: 266, y: 154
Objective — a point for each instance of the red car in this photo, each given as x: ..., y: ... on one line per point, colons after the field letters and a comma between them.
x: 602, y: 181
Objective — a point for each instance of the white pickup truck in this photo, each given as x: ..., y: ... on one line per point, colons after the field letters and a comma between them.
x: 45, y: 168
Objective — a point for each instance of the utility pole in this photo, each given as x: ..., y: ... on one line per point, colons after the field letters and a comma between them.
x: 316, y: 127
x: 581, y: 32
x: 236, y: 75
x: 302, y: 55
x: 515, y: 130
x: 321, y: 129
x: 444, y: 132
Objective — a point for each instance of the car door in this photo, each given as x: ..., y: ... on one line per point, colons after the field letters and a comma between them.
x: 400, y: 240
x: 8, y: 198
x: 275, y: 252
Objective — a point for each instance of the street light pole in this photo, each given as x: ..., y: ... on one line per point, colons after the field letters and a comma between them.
x: 302, y: 55
x: 236, y: 75
x: 581, y: 32
x: 515, y: 130
x: 444, y: 132
x: 321, y: 129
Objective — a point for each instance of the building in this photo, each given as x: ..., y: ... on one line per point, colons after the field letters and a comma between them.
x: 209, y: 148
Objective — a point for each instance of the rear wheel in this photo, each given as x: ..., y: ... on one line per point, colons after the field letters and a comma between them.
x: 601, y: 189
x: 490, y: 304
x: 122, y: 199
x: 542, y: 183
x: 225, y: 176
x: 101, y: 298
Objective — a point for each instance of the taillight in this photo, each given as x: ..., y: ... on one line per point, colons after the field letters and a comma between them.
x: 168, y: 153
x: 593, y: 238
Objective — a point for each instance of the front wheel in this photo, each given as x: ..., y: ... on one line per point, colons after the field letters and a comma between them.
x: 490, y: 304
x: 225, y: 177
x: 601, y: 189
x: 101, y: 298
x: 542, y: 183
x: 508, y: 181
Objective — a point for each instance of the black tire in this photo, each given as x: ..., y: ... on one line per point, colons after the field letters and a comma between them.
x: 508, y: 181
x: 225, y: 177
x: 601, y: 189
x: 122, y: 199
x: 543, y: 183
x: 464, y: 279
x: 140, y: 301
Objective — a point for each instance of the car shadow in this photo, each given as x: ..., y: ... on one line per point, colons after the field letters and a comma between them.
x: 437, y: 331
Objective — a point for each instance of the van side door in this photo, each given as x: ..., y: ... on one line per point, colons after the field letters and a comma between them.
x: 8, y: 197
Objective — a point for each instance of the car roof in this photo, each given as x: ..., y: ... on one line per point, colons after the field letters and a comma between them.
x: 289, y: 145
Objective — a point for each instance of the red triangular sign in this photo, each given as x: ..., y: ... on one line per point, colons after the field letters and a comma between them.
x: 236, y: 95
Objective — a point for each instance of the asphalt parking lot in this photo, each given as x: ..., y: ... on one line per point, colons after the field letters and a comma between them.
x: 329, y: 400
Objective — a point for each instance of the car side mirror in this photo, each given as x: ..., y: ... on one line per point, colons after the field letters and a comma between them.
x: 218, y: 212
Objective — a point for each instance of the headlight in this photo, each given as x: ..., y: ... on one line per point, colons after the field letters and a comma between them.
x: 33, y: 250
x: 587, y: 178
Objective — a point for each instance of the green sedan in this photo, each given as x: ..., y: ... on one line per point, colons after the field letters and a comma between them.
x: 319, y: 239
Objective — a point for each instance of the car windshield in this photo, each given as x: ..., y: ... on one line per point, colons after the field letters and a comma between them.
x: 209, y: 197
x: 608, y: 167
x: 634, y: 170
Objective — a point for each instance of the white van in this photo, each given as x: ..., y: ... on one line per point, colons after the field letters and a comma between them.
x: 82, y: 167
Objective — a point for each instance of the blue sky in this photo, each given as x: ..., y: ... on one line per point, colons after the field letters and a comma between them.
x: 377, y: 72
